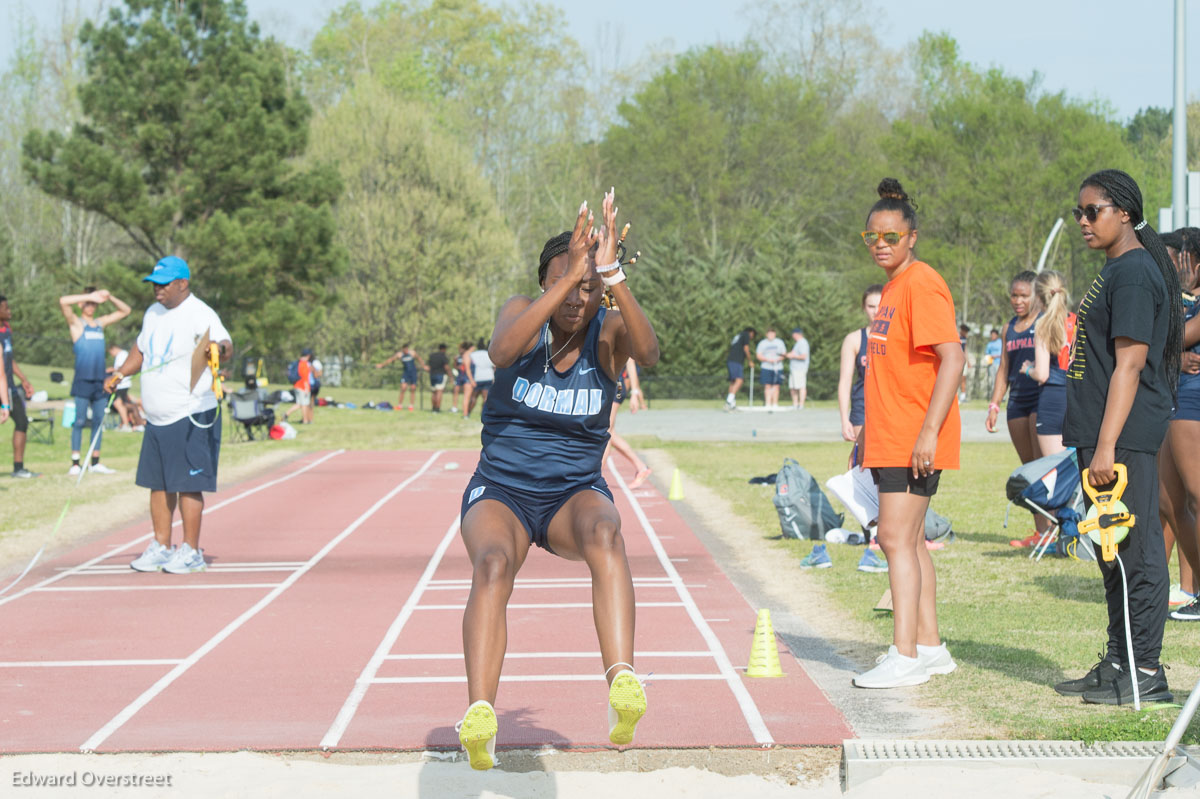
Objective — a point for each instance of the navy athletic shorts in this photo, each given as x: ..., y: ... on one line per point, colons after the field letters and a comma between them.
x: 858, y: 412
x: 533, y: 510
x: 181, y: 456
x: 1051, y: 410
x: 734, y: 369
x: 482, y: 385
x: 1187, y: 405
x: 1020, y: 407
x: 772, y: 377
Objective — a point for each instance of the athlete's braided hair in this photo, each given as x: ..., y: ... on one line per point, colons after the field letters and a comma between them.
x: 892, y: 197
x: 554, y: 247
x: 1124, y: 193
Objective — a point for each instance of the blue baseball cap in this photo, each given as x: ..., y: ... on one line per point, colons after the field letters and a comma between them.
x: 167, y: 269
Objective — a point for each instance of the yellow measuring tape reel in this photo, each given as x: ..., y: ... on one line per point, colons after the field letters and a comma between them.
x: 1108, y: 521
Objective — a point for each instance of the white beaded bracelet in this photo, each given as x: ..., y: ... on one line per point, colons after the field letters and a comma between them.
x: 619, y: 277
x: 610, y: 268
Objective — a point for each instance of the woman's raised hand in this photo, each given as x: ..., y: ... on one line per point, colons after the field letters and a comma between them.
x: 583, y: 238
x: 607, y: 254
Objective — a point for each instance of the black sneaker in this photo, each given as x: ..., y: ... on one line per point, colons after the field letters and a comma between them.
x: 24, y: 474
x: 1101, y: 673
x: 1119, y: 691
x: 1189, y: 612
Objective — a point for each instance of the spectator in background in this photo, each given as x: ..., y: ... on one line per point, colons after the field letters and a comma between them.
x: 771, y: 351
x: 963, y: 333
x: 437, y: 367
x: 302, y: 387
x: 408, y: 380
x: 853, y: 371
x: 462, y: 374
x: 17, y: 395
x: 482, y: 373
x: 125, y: 404
x: 798, y: 374
x: 735, y: 361
x: 316, y: 372
x: 87, y: 387
x: 991, y: 354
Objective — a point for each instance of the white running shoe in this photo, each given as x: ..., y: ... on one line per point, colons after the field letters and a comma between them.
x: 139, y: 428
x: 100, y: 468
x: 893, y: 670
x: 936, y: 659
x: 185, y: 561
x: 75, y: 470
x: 153, y: 559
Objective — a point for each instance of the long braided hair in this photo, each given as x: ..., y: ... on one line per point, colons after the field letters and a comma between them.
x: 1124, y: 193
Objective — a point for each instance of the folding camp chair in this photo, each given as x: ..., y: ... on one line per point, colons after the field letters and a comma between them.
x: 1049, y: 487
x: 248, y: 412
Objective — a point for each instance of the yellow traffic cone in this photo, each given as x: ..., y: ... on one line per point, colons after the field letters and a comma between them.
x: 764, y: 653
x: 676, y: 491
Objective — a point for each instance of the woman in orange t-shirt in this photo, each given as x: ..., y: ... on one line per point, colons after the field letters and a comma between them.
x: 912, y: 431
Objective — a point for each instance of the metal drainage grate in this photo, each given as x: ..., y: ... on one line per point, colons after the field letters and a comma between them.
x: 1120, y: 762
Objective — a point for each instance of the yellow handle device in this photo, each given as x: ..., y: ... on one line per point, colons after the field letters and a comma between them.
x: 1109, y: 521
x: 214, y: 364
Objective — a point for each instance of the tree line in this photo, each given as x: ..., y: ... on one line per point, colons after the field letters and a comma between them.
x: 395, y: 180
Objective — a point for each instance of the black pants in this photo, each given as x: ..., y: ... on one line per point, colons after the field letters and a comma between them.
x: 1143, y: 554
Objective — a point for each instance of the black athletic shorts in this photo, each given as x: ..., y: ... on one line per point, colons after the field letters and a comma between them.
x: 20, y: 419
x: 181, y: 456
x: 899, y: 480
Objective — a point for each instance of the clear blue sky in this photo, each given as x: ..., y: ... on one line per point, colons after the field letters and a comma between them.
x: 1071, y: 44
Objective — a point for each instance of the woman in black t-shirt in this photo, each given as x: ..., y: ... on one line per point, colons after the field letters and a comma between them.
x: 1120, y: 389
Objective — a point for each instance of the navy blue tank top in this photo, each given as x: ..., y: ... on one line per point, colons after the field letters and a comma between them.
x: 860, y: 371
x: 1020, y: 348
x: 545, y: 429
x: 89, y: 354
x: 1187, y: 382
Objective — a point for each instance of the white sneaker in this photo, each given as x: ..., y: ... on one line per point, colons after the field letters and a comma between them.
x: 153, y: 559
x: 139, y: 428
x: 936, y: 659
x: 75, y: 470
x: 893, y: 670
x: 185, y: 561
x: 100, y: 468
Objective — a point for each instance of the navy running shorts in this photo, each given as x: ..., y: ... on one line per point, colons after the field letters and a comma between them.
x: 181, y: 456
x: 1187, y: 404
x: 858, y: 412
x: 1020, y: 407
x: 482, y: 385
x: 533, y: 510
x: 734, y: 369
x: 1051, y: 410
x: 772, y: 377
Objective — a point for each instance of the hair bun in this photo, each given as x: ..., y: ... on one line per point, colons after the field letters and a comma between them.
x: 890, y: 188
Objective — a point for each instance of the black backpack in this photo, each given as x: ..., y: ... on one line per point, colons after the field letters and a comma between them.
x: 804, y: 510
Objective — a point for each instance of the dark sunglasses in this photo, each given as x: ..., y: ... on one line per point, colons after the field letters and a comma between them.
x: 1090, y: 211
x: 891, y: 237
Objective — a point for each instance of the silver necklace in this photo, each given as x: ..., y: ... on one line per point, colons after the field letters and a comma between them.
x: 550, y: 341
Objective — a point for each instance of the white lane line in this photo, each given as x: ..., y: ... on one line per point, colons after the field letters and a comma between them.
x: 58, y: 664
x: 532, y: 581
x: 336, y: 730
x: 179, y: 587
x: 749, y: 710
x: 140, y: 539
x: 560, y: 586
x: 551, y: 606
x: 539, y: 678
x: 549, y: 655
x: 130, y: 710
x: 212, y: 567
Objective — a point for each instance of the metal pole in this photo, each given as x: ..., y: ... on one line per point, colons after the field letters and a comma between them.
x: 1058, y: 223
x: 1179, y: 152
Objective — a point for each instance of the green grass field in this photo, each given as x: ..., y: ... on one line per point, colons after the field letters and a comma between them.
x: 1015, y: 626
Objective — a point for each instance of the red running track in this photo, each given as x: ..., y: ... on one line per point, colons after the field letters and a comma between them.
x: 331, y: 614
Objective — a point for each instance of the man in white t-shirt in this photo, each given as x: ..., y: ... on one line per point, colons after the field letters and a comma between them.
x: 182, y: 444
x: 483, y: 371
x: 771, y: 352
x: 798, y: 376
